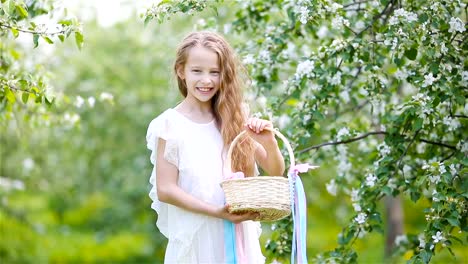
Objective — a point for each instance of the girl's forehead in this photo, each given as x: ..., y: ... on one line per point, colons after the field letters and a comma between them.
x: 203, y: 57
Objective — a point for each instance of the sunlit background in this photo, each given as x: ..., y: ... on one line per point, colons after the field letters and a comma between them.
x: 80, y: 188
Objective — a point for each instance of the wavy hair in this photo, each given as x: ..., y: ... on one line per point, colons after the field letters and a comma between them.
x: 227, y: 102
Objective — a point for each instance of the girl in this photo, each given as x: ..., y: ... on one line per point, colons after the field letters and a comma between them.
x: 189, y: 144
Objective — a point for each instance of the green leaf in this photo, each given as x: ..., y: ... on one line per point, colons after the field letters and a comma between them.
x: 36, y: 40
x: 147, y: 20
x: 25, y: 97
x: 411, y: 53
x: 10, y: 95
x: 418, y: 124
x: 65, y: 22
x: 79, y: 39
x: 22, y: 11
x: 47, y: 39
x: 426, y: 256
x: 453, y: 221
x: 15, y: 32
x: 415, y: 196
x: 61, y: 37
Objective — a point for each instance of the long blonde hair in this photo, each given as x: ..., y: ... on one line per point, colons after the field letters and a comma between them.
x: 227, y: 102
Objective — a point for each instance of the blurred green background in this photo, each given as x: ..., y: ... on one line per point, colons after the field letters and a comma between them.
x: 80, y: 193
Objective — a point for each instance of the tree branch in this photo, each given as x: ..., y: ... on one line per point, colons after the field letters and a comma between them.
x: 31, y: 31
x: 355, y: 3
x: 376, y: 17
x: 438, y: 143
x: 342, y: 142
x: 373, y: 133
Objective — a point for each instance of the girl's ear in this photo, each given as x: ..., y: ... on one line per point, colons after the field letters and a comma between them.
x: 180, y: 72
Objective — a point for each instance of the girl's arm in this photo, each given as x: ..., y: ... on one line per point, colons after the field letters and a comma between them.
x: 169, y: 192
x: 267, y: 154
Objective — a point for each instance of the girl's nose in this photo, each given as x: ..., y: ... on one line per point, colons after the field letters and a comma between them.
x: 206, y: 80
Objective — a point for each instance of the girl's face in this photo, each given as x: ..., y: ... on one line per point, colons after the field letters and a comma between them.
x: 201, y: 73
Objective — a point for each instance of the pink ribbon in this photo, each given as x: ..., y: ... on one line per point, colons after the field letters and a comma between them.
x: 301, y: 168
x: 235, y: 175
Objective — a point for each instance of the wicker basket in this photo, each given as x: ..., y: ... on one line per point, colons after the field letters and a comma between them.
x: 267, y: 195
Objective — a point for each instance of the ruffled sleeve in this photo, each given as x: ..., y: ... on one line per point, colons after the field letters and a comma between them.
x: 161, y: 128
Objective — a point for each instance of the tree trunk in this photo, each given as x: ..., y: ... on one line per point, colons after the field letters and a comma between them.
x: 394, y: 215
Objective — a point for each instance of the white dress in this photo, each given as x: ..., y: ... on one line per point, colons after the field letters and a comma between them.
x: 197, y: 151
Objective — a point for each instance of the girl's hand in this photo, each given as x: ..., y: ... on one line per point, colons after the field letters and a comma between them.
x: 236, y: 218
x: 257, y: 130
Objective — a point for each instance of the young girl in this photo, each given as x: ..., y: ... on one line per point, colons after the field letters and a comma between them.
x: 189, y: 144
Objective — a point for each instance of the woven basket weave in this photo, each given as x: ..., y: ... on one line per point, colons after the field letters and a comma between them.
x: 267, y: 195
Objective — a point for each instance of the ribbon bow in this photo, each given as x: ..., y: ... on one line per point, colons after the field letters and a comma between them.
x: 234, y: 235
x: 299, y: 212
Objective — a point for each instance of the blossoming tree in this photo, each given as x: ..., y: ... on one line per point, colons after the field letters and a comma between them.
x: 24, y: 85
x: 380, y: 87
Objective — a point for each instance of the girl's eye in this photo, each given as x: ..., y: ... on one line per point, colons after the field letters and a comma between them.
x: 196, y: 70
x: 215, y: 72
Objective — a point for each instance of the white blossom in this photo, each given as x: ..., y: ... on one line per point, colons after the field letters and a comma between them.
x: 71, y: 118
x: 434, y: 178
x: 9, y: 184
x: 401, y: 74
x: 305, y: 69
x: 91, y: 101
x: 384, y: 149
x: 264, y: 56
x: 332, y: 187
x: 249, y: 59
x: 456, y: 25
x: 283, y: 121
x: 422, y: 241
x: 79, y: 101
x: 106, y: 96
x: 442, y: 169
x: 322, y: 32
x: 452, y: 123
x: 303, y: 14
x: 354, y: 195
x: 338, y: 44
x: 357, y: 207
x: 406, y: 169
x: 345, y: 95
x: 360, y: 25
x: 333, y: 7
x: 463, y: 147
x: 464, y: 75
x: 434, y: 193
x: 361, y: 218
x: 370, y: 180
x: 338, y: 22
x: 428, y: 80
x: 403, y: 16
x: 343, y: 132
x: 262, y: 102
x: 28, y: 164
x: 306, y: 118
x: 401, y: 239
x: 443, y: 48
x: 336, y: 79
x: 438, y: 237
x: 453, y: 169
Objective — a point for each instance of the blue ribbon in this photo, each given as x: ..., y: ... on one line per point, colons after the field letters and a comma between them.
x: 299, y: 215
x: 230, y: 242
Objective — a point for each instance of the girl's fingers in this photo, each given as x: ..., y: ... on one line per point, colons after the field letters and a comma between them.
x: 258, y: 125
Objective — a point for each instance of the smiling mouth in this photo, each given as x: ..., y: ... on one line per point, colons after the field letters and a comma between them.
x: 204, y: 89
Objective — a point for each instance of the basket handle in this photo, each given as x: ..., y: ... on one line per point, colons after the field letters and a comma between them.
x: 276, y: 132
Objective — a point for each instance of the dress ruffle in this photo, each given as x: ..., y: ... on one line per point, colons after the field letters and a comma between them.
x: 164, y: 128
